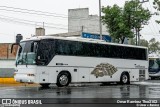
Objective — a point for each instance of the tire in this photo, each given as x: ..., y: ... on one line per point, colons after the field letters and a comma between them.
x: 153, y: 78
x: 105, y: 83
x: 124, y: 79
x: 45, y: 85
x: 63, y: 79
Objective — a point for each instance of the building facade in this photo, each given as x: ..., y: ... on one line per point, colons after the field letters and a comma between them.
x: 7, y: 60
x: 79, y: 20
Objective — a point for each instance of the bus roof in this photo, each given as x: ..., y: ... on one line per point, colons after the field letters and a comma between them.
x: 81, y: 40
x: 153, y: 56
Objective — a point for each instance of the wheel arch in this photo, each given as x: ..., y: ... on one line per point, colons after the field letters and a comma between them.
x: 127, y: 73
x: 65, y: 71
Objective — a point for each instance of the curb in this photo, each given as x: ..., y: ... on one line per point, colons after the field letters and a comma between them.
x: 8, y: 81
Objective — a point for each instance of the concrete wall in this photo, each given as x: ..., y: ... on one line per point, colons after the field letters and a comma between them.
x: 80, y: 20
x: 7, y: 68
x: 40, y: 31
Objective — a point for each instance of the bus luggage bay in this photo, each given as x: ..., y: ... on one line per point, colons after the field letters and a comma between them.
x: 62, y: 60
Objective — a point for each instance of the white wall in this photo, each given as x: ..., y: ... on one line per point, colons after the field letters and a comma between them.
x: 7, y: 63
x: 80, y: 17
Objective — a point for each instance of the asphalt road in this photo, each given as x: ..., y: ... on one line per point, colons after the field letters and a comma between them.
x: 147, y: 89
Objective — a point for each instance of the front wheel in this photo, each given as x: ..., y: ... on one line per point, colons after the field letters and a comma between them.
x: 153, y: 78
x: 124, y: 78
x: 63, y: 79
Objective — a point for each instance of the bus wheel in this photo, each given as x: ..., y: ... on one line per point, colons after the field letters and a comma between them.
x: 45, y: 85
x: 153, y: 78
x: 63, y: 79
x: 124, y: 78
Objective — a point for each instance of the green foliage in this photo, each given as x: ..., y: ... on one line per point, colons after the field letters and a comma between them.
x: 154, y: 46
x: 121, y: 21
x: 143, y: 42
x: 156, y: 6
x: 136, y: 13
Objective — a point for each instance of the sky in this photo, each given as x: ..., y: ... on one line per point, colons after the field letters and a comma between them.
x: 16, y: 17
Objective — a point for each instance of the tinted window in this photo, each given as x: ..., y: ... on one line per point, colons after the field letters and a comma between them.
x: 45, y: 52
x: 75, y: 48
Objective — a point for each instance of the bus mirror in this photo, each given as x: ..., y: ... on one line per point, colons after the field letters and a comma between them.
x: 13, y: 45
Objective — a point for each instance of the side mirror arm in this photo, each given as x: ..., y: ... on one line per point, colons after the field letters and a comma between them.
x: 13, y: 45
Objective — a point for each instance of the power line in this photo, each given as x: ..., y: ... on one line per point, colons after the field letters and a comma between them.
x: 34, y: 21
x: 33, y: 10
x: 33, y: 13
x: 31, y: 24
x: 36, y: 12
x: 25, y: 23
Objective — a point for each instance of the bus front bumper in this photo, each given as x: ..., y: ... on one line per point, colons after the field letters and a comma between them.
x: 24, y: 78
x: 154, y: 75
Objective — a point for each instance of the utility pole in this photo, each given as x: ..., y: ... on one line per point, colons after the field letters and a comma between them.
x: 100, y: 21
x: 139, y: 21
x: 138, y: 28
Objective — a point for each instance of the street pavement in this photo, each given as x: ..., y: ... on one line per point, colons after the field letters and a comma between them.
x: 146, y: 89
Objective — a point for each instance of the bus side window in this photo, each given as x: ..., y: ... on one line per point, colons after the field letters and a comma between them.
x: 45, y: 51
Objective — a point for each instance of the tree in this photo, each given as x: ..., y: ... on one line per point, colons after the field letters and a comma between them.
x: 115, y: 23
x: 156, y: 4
x: 154, y: 46
x: 143, y: 42
x: 120, y: 22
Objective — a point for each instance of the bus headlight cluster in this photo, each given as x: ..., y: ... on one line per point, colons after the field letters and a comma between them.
x: 30, y: 75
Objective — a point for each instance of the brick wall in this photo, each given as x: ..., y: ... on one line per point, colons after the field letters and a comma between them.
x: 5, y: 51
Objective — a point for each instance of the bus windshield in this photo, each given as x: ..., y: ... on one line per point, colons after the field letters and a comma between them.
x: 27, y: 53
x: 154, y: 63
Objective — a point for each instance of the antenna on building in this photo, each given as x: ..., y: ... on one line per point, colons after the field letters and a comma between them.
x: 82, y: 27
x: 43, y: 24
x: 100, y: 23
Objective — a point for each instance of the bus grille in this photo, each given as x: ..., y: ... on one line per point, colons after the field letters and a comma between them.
x: 141, y: 75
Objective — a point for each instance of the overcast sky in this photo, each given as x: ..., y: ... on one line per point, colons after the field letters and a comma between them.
x: 14, y: 21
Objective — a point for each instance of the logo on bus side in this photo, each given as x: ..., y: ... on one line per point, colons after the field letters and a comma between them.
x: 104, y: 69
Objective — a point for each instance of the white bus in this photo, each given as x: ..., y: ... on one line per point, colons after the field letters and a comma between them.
x: 62, y: 60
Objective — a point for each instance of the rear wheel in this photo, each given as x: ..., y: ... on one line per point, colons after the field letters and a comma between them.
x: 105, y: 83
x: 63, y: 79
x: 153, y: 78
x: 124, y: 78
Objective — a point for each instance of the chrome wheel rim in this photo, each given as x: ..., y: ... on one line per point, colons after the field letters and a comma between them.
x: 124, y: 78
x: 63, y: 80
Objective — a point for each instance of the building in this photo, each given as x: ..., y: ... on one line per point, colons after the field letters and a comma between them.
x: 81, y: 24
x: 7, y: 60
x: 79, y: 20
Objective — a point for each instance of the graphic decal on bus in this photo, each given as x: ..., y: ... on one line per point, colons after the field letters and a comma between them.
x: 104, y: 69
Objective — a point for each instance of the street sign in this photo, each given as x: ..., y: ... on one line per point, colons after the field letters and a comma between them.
x: 107, y: 38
